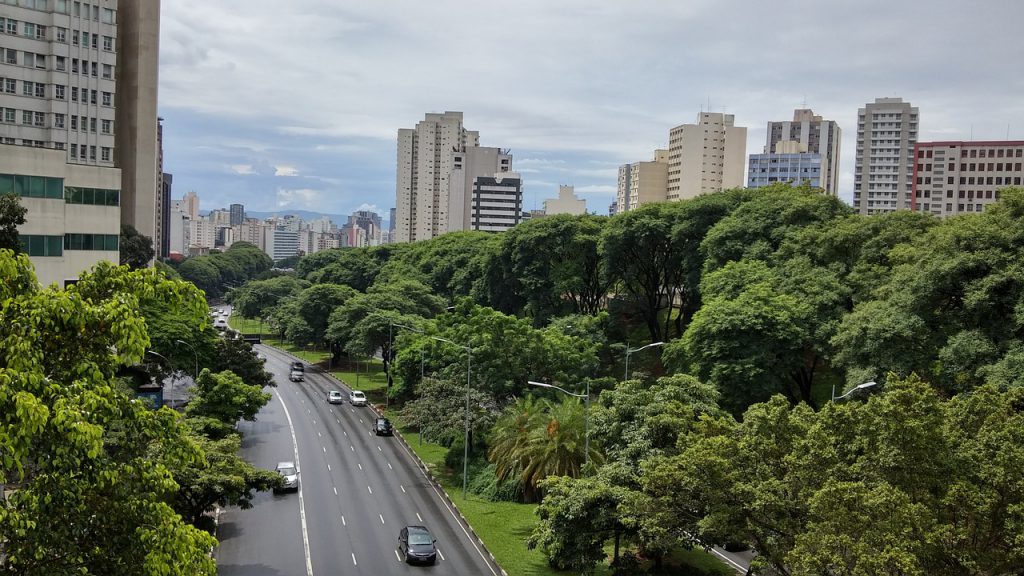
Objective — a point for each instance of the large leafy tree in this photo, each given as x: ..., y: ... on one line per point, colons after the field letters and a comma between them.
x: 201, y: 272
x: 90, y: 465
x: 549, y: 266
x: 226, y: 398
x: 355, y: 267
x: 136, y: 249
x: 256, y: 298
x: 315, y: 305
x: 12, y: 215
x: 453, y: 264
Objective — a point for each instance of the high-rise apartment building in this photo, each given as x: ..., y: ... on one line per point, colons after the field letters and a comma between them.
x: 190, y: 204
x: 789, y: 163
x: 426, y: 159
x: 964, y: 177
x: 468, y: 166
x: 814, y: 136
x: 63, y: 68
x: 643, y: 182
x: 497, y: 202
x: 887, y: 131
x: 236, y: 214
x: 705, y: 157
x: 566, y: 203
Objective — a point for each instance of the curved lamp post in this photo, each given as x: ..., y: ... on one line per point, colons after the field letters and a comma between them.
x: 630, y: 351
x: 194, y: 352
x: 586, y: 414
x: 856, y: 388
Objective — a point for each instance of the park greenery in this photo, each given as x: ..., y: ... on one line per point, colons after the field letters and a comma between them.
x: 767, y: 301
x: 97, y: 480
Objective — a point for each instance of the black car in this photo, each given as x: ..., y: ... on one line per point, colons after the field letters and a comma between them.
x: 382, y: 427
x: 298, y: 366
x: 417, y: 544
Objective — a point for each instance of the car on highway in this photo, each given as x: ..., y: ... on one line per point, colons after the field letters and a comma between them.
x: 383, y: 427
x: 298, y: 366
x: 417, y: 544
x: 220, y: 324
x: 335, y: 397
x: 297, y: 376
x: 357, y: 398
x: 290, y: 474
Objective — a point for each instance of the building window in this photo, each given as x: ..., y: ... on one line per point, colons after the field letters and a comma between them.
x: 39, y: 118
x: 106, y: 126
x: 92, y: 196
x: 26, y: 117
x: 105, y: 154
x: 60, y: 63
x: 92, y: 125
x: 11, y: 27
x: 58, y: 121
x: 108, y: 43
x: 10, y: 56
x: 95, y: 67
x: 107, y: 98
x: 74, y: 94
x: 36, y: 246
x: 92, y: 153
x: 74, y: 147
x: 108, y: 16
x: 106, y: 242
x: 26, y: 88
x: 10, y: 114
x: 40, y: 90
x: 95, y: 41
x: 92, y: 97
x: 61, y: 6
x: 108, y: 70
x: 32, y: 186
x: 74, y: 126
x: 10, y: 85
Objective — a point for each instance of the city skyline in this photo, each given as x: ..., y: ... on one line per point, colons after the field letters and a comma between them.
x: 323, y: 133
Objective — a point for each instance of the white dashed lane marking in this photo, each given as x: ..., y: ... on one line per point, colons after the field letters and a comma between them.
x: 370, y: 489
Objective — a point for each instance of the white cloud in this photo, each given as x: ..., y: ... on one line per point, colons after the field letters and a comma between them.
x: 303, y: 198
x: 285, y: 170
x: 242, y: 169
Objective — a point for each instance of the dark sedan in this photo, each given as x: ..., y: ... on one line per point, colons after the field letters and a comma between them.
x: 416, y: 543
x: 382, y: 427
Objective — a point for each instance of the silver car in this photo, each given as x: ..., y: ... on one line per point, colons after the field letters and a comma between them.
x: 335, y: 397
x: 290, y: 473
x: 357, y: 398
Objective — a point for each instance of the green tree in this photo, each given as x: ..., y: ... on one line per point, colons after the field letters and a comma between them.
x: 354, y: 267
x: 91, y: 466
x: 222, y: 479
x: 439, y: 410
x: 12, y: 215
x: 201, y: 272
x: 316, y: 303
x: 256, y: 298
x: 136, y: 249
x: 453, y: 264
x: 225, y: 397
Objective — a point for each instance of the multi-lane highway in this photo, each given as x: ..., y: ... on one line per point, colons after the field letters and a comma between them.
x: 357, y: 491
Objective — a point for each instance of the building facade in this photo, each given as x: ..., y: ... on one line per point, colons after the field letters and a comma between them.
x: 953, y: 178
x: 566, y: 203
x: 426, y: 159
x: 708, y: 156
x: 497, y: 202
x: 793, y: 168
x: 815, y: 136
x: 643, y: 182
x: 164, y: 214
x: 190, y: 204
x: 887, y: 132
x: 469, y: 166
x: 236, y: 214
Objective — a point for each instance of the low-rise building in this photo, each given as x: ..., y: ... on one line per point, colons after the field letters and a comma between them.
x: 952, y: 178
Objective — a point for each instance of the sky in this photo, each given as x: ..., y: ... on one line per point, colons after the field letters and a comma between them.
x: 285, y: 105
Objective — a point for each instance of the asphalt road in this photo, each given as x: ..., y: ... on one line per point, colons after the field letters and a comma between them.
x: 357, y: 491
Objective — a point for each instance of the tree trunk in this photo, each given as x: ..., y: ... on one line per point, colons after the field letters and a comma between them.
x: 615, y: 557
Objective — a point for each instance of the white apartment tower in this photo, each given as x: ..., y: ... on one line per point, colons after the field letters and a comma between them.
x: 705, y: 157
x: 426, y: 159
x: 643, y: 182
x: 78, y: 126
x: 815, y: 136
x: 887, y: 131
x: 474, y: 163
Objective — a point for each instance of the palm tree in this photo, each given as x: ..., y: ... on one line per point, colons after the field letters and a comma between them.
x: 509, y: 437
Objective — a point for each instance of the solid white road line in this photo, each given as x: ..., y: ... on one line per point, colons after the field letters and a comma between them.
x: 452, y: 512
x: 439, y: 554
x: 729, y: 560
x: 302, y: 505
x: 399, y: 558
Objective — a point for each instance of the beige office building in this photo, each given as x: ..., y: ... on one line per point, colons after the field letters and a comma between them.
x: 77, y: 140
x: 883, y: 177
x: 566, y: 203
x: 705, y: 157
x: 426, y: 160
x: 467, y: 167
x: 643, y: 182
x: 953, y: 178
x: 808, y: 133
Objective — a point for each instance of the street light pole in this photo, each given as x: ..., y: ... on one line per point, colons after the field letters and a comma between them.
x: 194, y: 352
x: 586, y: 414
x: 630, y: 351
x: 856, y: 388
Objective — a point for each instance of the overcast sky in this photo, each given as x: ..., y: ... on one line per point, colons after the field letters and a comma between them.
x: 296, y: 104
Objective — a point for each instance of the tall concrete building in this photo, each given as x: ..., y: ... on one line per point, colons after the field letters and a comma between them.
x: 468, y: 166
x: 426, y: 159
x: 705, y: 157
x: 814, y: 136
x: 65, y: 123
x: 497, y: 202
x: 887, y: 131
x: 164, y: 215
x: 237, y: 214
x: 964, y: 177
x: 190, y: 204
x: 785, y: 167
x: 643, y: 182
x: 566, y: 203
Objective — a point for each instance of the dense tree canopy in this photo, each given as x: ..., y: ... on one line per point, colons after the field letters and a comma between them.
x: 12, y: 215
x: 136, y: 250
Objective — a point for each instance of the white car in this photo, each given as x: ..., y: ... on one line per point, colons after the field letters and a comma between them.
x: 357, y: 398
x: 290, y: 473
x: 335, y: 397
